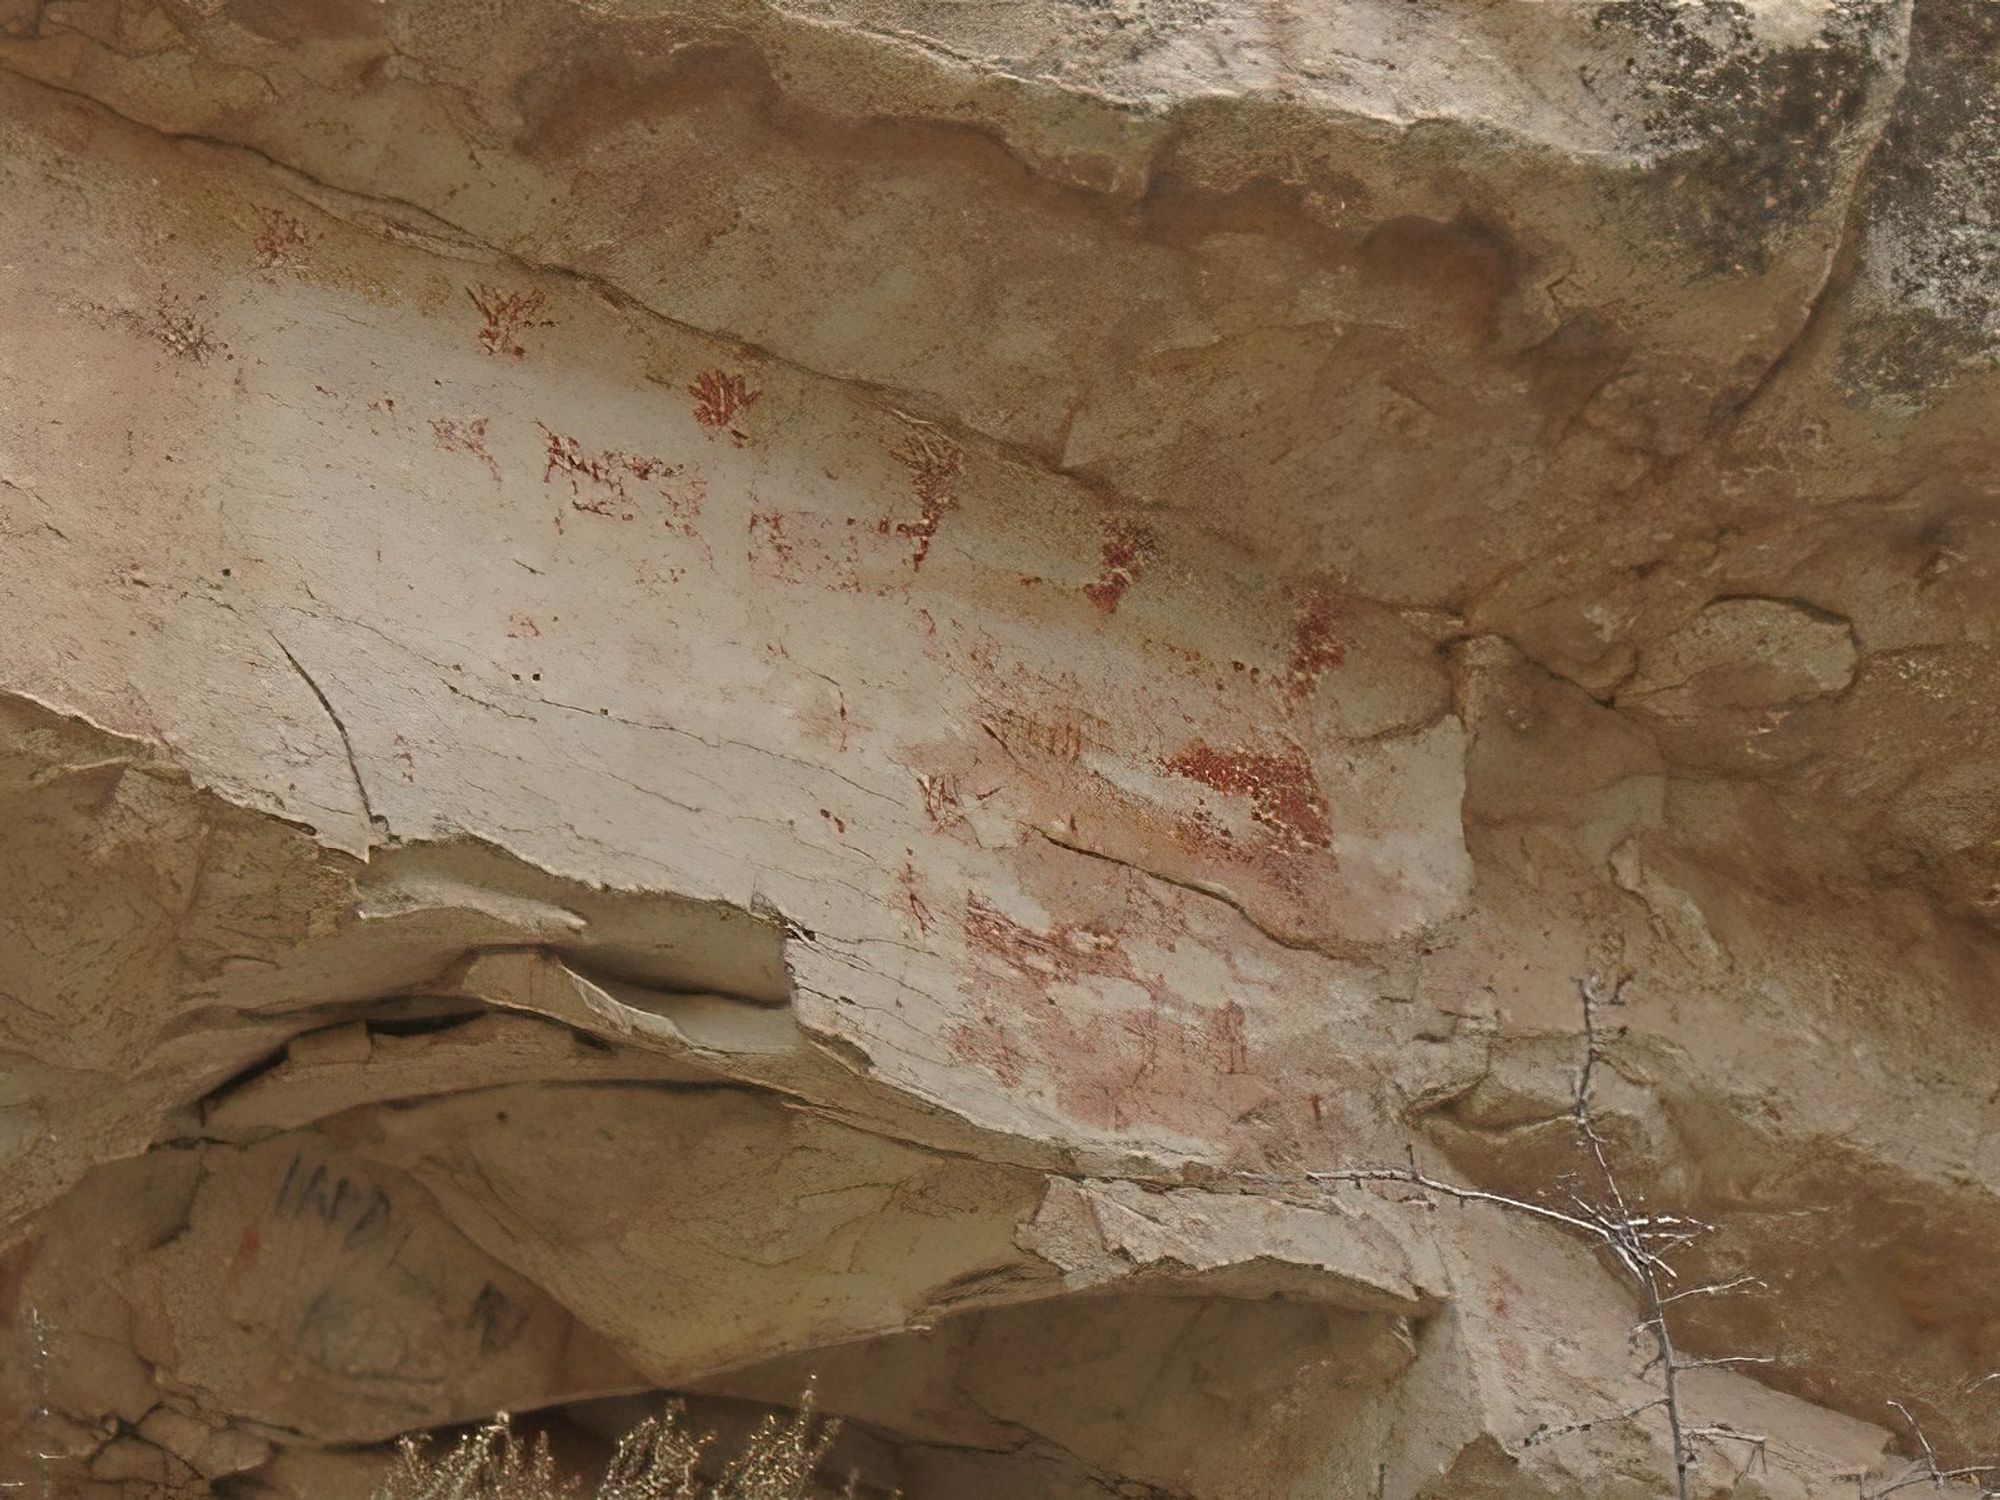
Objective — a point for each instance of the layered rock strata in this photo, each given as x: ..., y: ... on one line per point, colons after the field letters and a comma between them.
x: 699, y: 694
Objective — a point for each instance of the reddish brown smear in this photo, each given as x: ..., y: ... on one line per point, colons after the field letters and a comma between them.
x: 1284, y: 793
x: 985, y: 1043
x: 921, y: 530
x: 934, y: 462
x: 772, y: 524
x: 1160, y: 1062
x: 465, y: 437
x: 1127, y: 548
x: 246, y: 1251
x: 718, y: 399
x: 597, y: 483
x: 567, y: 460
x: 176, y: 328
x: 1060, y: 955
x: 279, y: 241
x: 920, y: 909
x: 506, y: 315
x: 1315, y: 648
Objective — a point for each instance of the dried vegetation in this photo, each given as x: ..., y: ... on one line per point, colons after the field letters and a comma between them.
x: 660, y: 1459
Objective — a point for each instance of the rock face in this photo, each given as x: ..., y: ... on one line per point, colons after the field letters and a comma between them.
x: 701, y: 693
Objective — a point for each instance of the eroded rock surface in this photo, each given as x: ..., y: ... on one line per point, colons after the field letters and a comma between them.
x: 700, y: 694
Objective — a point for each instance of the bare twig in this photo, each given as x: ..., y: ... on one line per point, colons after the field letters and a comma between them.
x: 1756, y: 1444
x: 1926, y: 1472
x: 1642, y: 1244
x: 1545, y: 1433
x: 1719, y: 1288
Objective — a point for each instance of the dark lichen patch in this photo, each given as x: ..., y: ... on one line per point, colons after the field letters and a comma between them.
x: 1929, y: 271
x: 1749, y: 141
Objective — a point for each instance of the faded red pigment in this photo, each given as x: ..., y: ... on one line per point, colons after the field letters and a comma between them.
x: 1165, y: 1062
x: 719, y: 398
x: 934, y: 463
x: 1127, y: 548
x: 1316, y: 649
x: 1283, y: 792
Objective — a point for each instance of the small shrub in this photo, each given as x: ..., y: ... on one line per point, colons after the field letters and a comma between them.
x: 660, y: 1459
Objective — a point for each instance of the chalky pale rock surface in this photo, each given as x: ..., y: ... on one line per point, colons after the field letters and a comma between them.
x: 700, y: 692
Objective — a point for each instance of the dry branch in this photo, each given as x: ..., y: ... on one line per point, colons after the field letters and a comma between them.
x: 1926, y: 1472
x: 1640, y: 1244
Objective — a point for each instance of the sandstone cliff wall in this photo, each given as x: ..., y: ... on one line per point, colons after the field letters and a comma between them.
x: 693, y: 692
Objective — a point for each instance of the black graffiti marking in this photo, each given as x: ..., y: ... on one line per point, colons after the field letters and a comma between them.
x: 496, y: 1317
x: 328, y: 1197
x: 373, y: 1223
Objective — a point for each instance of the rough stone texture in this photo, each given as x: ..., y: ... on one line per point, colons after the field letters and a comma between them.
x: 700, y: 692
